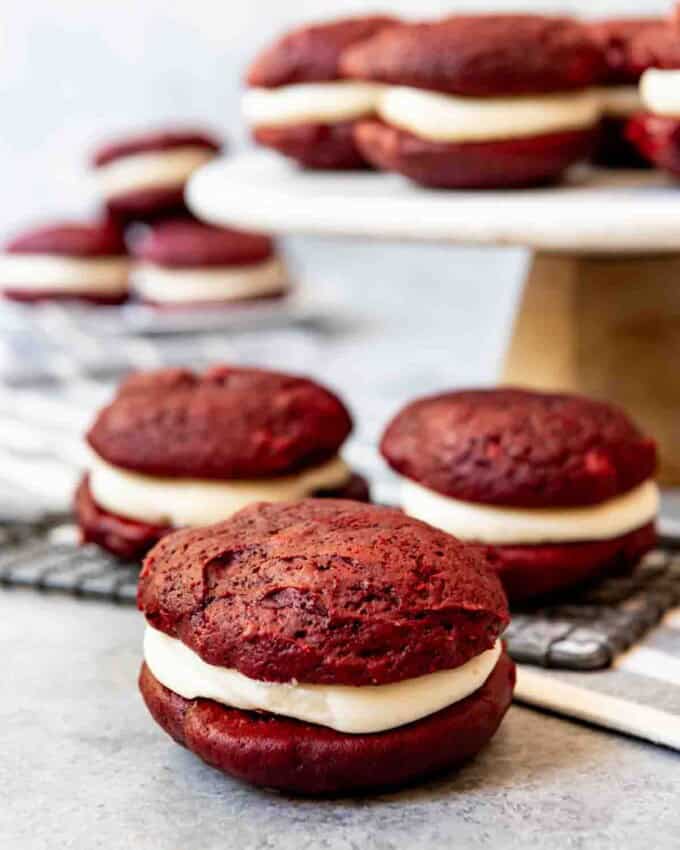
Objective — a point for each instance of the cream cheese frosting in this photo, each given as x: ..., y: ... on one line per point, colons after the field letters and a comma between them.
x: 56, y: 273
x: 220, y: 283
x: 506, y: 526
x: 660, y: 92
x: 323, y: 103
x: 150, y: 170
x: 193, y: 502
x: 346, y: 708
x: 448, y: 118
x: 620, y: 101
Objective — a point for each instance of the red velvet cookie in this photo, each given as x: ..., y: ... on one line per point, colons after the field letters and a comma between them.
x: 143, y: 175
x: 506, y: 163
x: 477, y: 57
x: 85, y: 261
x: 512, y: 448
x: 311, y: 54
x: 229, y: 425
x: 616, y: 37
x: 326, y: 593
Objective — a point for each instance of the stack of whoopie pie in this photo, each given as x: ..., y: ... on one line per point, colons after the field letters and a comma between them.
x: 324, y: 646
x: 557, y: 488
x: 177, y: 449
x: 298, y: 101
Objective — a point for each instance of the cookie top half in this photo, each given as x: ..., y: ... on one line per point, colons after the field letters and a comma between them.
x: 324, y: 591
x: 480, y: 55
x: 154, y: 141
x: 519, y: 448
x: 227, y: 423
x: 70, y: 239
x: 311, y: 54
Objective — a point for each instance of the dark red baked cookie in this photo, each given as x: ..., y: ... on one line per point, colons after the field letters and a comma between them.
x: 323, y: 146
x: 302, y: 758
x: 617, y: 37
x: 156, y: 140
x: 657, y: 137
x: 187, y: 243
x: 534, y: 571
x: 497, y: 164
x: 519, y: 448
x: 480, y: 55
x: 131, y: 539
x: 71, y: 239
x: 229, y: 422
x: 311, y: 54
x: 324, y: 591
x: 613, y: 148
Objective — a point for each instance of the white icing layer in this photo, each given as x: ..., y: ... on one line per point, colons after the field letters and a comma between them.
x: 503, y: 525
x: 619, y: 101
x: 448, y: 118
x: 660, y: 92
x: 220, y: 283
x: 357, y: 710
x: 55, y: 273
x: 184, y: 501
x: 150, y: 170
x: 324, y: 103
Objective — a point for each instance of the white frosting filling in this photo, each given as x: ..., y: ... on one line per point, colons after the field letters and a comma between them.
x: 358, y: 710
x: 220, y: 283
x: 150, y: 170
x: 660, y: 91
x: 55, y: 273
x: 620, y: 101
x: 448, y: 118
x: 324, y: 103
x: 185, y: 501
x: 505, y: 525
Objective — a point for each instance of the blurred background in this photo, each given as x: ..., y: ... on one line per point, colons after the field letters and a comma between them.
x: 408, y: 318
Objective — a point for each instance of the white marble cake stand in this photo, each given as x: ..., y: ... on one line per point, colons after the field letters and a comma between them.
x: 600, y: 311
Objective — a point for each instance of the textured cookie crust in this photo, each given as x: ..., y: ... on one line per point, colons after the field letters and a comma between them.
x: 312, y: 53
x: 480, y: 55
x: 532, y: 571
x: 324, y: 591
x: 519, y: 448
x: 160, y: 140
x: 496, y: 164
x: 227, y: 423
x: 278, y: 752
x: 186, y: 243
x: 324, y: 146
x: 657, y: 137
x: 615, y: 36
x: 655, y: 47
x: 131, y: 538
x: 71, y: 239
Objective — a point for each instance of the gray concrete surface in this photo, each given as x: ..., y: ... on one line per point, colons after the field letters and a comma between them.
x: 82, y: 766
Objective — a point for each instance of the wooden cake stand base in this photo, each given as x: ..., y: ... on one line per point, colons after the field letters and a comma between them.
x: 608, y: 327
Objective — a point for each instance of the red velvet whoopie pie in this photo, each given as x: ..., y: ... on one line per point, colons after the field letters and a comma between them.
x: 484, y: 101
x: 65, y: 261
x: 175, y: 449
x: 291, y: 610
x: 182, y: 262
x: 297, y: 102
x: 655, y: 131
x: 143, y: 175
x: 556, y: 488
x: 620, y: 96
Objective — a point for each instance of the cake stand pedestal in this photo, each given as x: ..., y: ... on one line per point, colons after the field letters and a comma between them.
x: 600, y: 311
